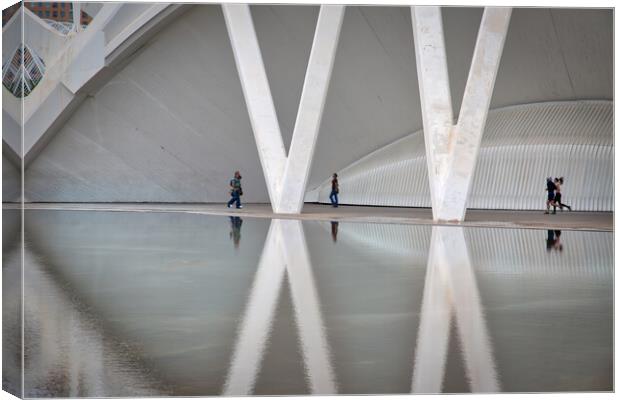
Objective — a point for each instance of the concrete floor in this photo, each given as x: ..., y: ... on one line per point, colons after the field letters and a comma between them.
x: 594, y: 221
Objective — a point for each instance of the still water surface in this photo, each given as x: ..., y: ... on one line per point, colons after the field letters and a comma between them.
x: 142, y: 304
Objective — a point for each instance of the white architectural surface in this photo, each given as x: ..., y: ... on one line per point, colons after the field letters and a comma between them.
x: 452, y: 149
x: 521, y: 146
x: 167, y: 122
x: 286, y: 175
x: 75, y: 60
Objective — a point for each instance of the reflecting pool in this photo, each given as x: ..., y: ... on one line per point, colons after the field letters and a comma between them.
x: 141, y: 304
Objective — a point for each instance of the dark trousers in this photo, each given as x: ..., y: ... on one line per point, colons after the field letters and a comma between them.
x: 333, y: 197
x: 235, y: 198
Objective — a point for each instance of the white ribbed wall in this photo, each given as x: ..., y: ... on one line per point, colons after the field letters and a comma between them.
x: 521, y: 146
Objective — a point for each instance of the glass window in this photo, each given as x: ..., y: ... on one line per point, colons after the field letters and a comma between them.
x: 62, y: 13
x: 54, y: 14
x: 47, y: 13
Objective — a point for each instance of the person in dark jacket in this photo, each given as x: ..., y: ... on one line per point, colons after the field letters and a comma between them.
x: 550, y: 194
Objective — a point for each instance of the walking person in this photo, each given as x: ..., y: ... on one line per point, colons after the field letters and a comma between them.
x: 235, y: 190
x: 558, y: 195
x: 550, y: 194
x: 333, y: 196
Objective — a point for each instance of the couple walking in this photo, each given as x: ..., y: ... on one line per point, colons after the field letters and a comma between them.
x: 554, y: 194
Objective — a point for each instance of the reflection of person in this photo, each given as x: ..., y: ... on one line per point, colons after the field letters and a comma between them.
x: 550, y: 239
x: 235, y: 230
x: 235, y: 190
x: 333, y: 196
x: 553, y: 240
x: 557, y: 245
x: 334, y: 231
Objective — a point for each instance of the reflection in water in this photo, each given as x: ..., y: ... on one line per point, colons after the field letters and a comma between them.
x: 334, y: 231
x: 11, y: 302
x: 67, y: 351
x: 235, y: 230
x: 285, y: 251
x: 553, y: 240
x: 124, y: 304
x: 450, y: 289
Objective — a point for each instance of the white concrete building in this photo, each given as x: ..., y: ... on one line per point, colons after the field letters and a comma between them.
x: 163, y: 102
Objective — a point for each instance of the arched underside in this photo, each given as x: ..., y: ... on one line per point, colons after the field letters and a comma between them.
x: 521, y: 146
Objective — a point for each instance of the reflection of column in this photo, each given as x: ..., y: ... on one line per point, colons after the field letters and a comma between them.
x: 285, y: 251
x: 451, y: 286
x: 432, y: 344
x: 258, y: 317
x: 307, y: 308
x: 65, y: 338
x: 470, y: 321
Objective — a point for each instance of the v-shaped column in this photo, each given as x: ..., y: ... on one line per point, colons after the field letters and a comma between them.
x: 451, y: 150
x: 286, y: 176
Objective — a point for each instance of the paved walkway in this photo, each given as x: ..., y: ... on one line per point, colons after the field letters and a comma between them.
x: 596, y: 221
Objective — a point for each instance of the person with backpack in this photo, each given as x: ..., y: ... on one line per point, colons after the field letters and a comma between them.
x: 235, y: 190
x: 333, y: 196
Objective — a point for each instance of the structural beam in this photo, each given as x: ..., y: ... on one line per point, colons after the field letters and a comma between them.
x: 88, y: 60
x: 432, y: 68
x: 312, y: 102
x: 450, y: 289
x: 452, y: 149
x: 286, y: 176
x: 257, y: 93
x: 77, y: 16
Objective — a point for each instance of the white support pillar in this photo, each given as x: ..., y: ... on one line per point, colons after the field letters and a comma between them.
x: 450, y: 289
x: 310, y: 110
x: 451, y: 150
x: 286, y: 176
x: 285, y: 251
x: 257, y: 95
x: 435, y: 99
